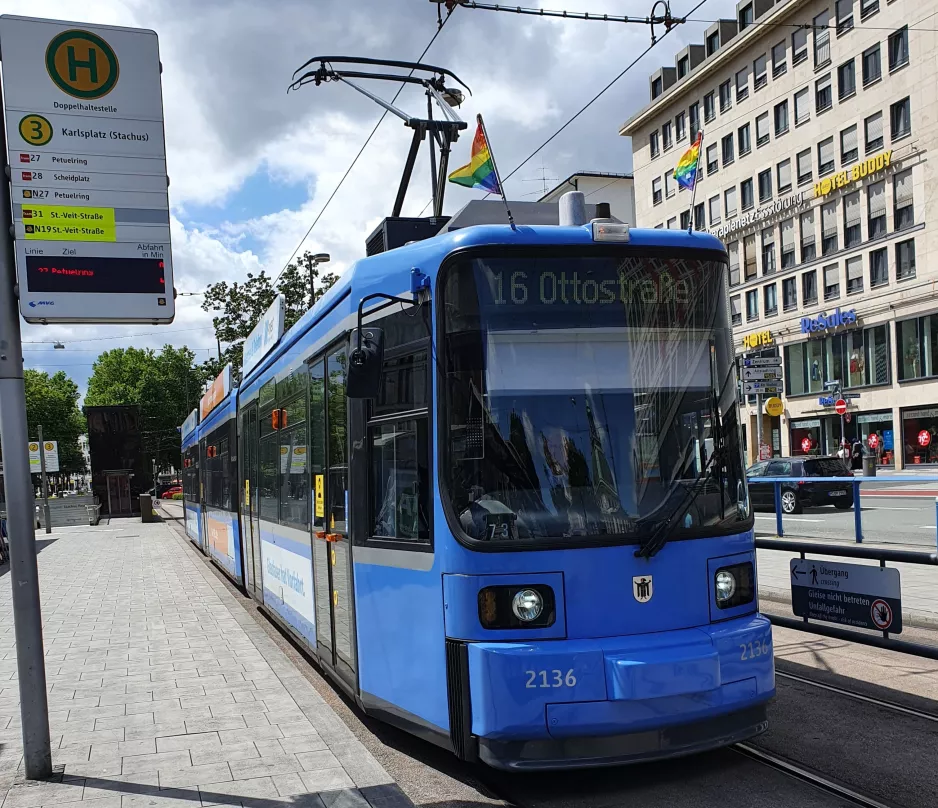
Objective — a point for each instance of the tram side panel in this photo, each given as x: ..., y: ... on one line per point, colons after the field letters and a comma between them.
x: 287, y: 576
x: 221, y: 539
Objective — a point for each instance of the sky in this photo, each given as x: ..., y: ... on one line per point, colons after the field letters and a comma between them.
x: 251, y: 165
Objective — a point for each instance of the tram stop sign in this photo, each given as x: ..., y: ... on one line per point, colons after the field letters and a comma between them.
x: 860, y: 595
x: 840, y: 406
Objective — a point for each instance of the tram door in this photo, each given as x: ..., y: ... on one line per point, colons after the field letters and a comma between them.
x: 250, y: 520
x: 332, y: 549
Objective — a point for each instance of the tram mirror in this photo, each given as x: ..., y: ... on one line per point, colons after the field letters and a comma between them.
x: 365, y: 361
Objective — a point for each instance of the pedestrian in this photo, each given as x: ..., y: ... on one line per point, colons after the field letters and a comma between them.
x: 856, y: 457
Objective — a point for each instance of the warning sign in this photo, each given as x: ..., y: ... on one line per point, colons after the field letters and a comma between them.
x: 881, y: 614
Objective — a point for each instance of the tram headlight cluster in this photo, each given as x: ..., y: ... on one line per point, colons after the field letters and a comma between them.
x: 517, y: 606
x: 734, y: 585
x: 725, y: 583
x: 527, y: 605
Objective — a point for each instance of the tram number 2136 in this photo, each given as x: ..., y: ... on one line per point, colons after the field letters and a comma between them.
x: 751, y: 650
x: 553, y: 678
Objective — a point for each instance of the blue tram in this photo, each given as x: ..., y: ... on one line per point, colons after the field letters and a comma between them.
x: 493, y: 480
x: 192, y: 506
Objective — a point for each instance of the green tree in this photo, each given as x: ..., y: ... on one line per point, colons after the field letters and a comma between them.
x: 165, y: 385
x: 238, y: 307
x: 52, y: 401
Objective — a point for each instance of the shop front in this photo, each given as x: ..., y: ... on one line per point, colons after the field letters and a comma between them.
x: 806, y: 437
x: 875, y: 431
x: 920, y: 436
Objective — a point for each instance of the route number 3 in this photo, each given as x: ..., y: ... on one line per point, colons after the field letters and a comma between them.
x: 752, y: 650
x: 553, y: 678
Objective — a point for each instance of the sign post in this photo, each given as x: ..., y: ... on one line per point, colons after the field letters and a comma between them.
x: 45, y: 482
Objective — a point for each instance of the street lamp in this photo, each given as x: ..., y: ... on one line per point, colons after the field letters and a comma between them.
x: 315, y: 261
x: 58, y: 346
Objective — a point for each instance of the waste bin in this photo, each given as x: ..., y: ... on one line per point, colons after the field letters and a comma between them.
x: 869, y: 466
x: 146, y: 508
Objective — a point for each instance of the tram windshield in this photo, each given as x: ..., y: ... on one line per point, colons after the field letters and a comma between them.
x: 590, y: 397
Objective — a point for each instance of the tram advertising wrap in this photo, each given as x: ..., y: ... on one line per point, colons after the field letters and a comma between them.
x: 288, y: 586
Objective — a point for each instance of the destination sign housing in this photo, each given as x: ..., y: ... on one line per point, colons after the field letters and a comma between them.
x: 87, y: 157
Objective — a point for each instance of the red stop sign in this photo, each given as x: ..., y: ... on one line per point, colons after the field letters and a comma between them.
x: 873, y: 441
x: 924, y: 438
x: 806, y: 445
x: 840, y: 406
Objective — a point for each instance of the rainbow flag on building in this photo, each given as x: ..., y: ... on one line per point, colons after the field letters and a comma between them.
x: 480, y: 171
x: 686, y: 171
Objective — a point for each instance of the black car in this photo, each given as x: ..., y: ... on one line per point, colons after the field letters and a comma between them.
x: 799, y: 495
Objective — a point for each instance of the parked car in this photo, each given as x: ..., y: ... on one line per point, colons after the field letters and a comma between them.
x: 168, y: 493
x: 798, y: 495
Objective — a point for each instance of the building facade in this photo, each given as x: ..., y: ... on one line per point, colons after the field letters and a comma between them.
x: 616, y: 189
x: 818, y: 118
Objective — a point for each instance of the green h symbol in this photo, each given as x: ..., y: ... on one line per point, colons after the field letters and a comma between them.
x: 91, y: 64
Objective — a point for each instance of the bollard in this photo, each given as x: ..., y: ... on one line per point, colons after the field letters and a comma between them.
x: 857, y: 520
x: 778, y: 509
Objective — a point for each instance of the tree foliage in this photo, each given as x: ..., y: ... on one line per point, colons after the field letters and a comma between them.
x: 238, y: 307
x: 52, y: 401
x: 165, y: 385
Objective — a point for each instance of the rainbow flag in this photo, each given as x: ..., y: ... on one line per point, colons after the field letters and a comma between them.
x: 686, y: 171
x: 479, y: 172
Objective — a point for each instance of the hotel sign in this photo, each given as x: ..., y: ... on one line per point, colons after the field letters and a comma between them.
x: 878, y: 162
x: 757, y: 340
x: 759, y: 215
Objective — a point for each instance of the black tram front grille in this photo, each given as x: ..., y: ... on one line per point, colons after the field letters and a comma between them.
x: 460, y: 705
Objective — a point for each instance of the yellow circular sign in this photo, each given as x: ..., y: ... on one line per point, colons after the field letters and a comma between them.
x: 49, y: 446
x: 82, y: 64
x: 35, y: 130
x: 774, y: 406
x: 34, y: 447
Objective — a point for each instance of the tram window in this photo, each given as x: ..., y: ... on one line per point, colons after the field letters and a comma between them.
x: 317, y: 436
x: 400, y: 480
x: 295, y: 413
x: 266, y: 406
x: 337, y: 489
x: 267, y: 393
x: 268, y: 478
x: 294, y: 480
x: 404, y: 384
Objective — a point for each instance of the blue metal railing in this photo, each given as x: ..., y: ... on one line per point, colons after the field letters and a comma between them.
x: 856, y: 483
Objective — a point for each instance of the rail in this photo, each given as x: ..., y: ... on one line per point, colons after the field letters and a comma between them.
x: 856, y: 482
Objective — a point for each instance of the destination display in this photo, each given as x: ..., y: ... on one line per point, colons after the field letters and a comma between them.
x: 87, y: 157
x: 859, y: 595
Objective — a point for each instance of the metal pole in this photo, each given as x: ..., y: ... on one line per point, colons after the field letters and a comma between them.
x: 21, y: 508
x: 758, y: 426
x: 46, y: 515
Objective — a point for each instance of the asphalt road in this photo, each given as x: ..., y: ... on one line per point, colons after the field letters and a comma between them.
x: 887, y: 518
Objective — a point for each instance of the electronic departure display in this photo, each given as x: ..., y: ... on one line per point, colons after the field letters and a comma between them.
x: 95, y: 275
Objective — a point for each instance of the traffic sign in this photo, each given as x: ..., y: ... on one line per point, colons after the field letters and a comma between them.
x: 51, y: 448
x: 763, y: 362
x: 850, y: 594
x: 761, y: 374
x: 87, y: 157
x: 765, y: 388
x: 840, y: 406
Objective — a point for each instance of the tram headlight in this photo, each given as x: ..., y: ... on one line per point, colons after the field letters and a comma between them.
x: 527, y: 605
x: 725, y: 583
x: 734, y: 585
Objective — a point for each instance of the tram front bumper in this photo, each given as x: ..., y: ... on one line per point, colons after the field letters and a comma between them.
x: 607, y: 701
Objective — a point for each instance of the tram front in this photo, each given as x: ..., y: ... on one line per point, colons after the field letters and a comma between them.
x: 601, y: 601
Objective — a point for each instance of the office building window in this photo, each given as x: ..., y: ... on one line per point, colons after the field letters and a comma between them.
x: 823, y: 99
x: 803, y: 160
x: 899, y: 48
x: 765, y: 185
x: 779, y: 65
x: 680, y: 126
x: 825, y: 157
x: 768, y: 251
x: 683, y: 66
x: 848, y: 146
x: 656, y: 191
x: 809, y: 287
x: 808, y: 243
x: 729, y: 201
x: 713, y: 43
x: 710, y: 108
x: 903, y: 210
x: 742, y: 137
x: 745, y: 194
x: 742, y: 84
x: 879, y: 268
x: 900, y: 118
x: 759, y: 77
x: 871, y: 66
x: 726, y: 99
x: 917, y: 344
x: 844, y: 11
x: 868, y: 7
x: 700, y: 219
x: 752, y: 305
x: 669, y: 184
x: 788, y: 243
x: 852, y: 219
x: 735, y: 310
x: 873, y: 129
x: 783, y: 176
x: 713, y: 162
x: 749, y: 256
x: 726, y: 145
x: 802, y: 106
x: 653, y: 140
x: 693, y: 114
x: 672, y: 223
x: 714, y: 204
x: 829, y: 228
x: 781, y: 118
x: 762, y: 129
x: 770, y: 299
x: 846, y: 80
x: 656, y: 88
x: 799, y: 46
x: 732, y: 250
x: 666, y: 138
x: 855, y: 274
x: 905, y: 260
x: 685, y: 219
x: 822, y: 38
x: 789, y: 294
x: 876, y: 209
x: 831, y: 282
x: 745, y: 17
